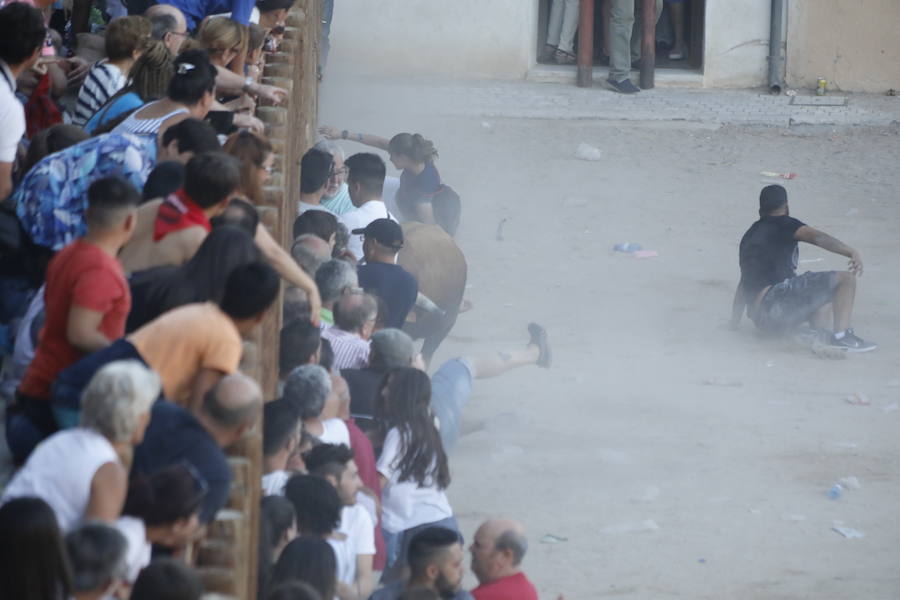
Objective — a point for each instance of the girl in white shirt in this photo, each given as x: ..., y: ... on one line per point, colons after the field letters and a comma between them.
x: 413, y: 465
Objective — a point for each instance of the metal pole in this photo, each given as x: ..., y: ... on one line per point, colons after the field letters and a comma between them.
x: 586, y: 44
x: 776, y: 41
x: 648, y: 43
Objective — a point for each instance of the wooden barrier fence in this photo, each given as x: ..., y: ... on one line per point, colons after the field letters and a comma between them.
x: 227, y: 557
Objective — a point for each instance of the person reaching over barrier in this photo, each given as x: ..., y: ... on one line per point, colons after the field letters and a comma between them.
x: 778, y: 300
x: 414, y: 156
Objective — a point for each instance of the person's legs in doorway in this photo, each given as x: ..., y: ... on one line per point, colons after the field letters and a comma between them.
x: 679, y: 48
x: 621, y: 24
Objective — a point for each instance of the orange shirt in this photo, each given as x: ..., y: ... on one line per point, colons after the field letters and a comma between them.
x: 181, y: 342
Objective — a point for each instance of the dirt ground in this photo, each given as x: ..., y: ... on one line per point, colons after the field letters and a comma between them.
x: 668, y: 456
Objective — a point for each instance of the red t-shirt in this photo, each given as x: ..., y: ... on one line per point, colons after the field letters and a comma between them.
x: 514, y: 587
x: 83, y: 275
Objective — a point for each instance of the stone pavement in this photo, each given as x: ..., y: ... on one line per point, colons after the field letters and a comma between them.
x: 530, y: 100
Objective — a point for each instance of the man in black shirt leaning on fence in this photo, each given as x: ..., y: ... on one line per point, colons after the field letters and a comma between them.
x: 776, y: 298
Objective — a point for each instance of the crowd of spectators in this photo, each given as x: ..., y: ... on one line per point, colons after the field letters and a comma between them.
x: 134, y: 268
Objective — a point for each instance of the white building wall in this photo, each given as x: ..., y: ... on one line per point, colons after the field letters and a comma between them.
x: 496, y: 39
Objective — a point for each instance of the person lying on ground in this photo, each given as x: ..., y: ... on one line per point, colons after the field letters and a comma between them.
x: 778, y: 300
x: 451, y: 384
x: 414, y: 156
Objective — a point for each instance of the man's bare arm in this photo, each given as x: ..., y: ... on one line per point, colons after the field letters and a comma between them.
x: 813, y: 236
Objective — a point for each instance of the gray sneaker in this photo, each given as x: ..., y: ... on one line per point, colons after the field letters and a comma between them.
x: 623, y: 87
x: 851, y: 343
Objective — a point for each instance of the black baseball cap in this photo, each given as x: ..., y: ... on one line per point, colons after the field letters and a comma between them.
x: 384, y: 231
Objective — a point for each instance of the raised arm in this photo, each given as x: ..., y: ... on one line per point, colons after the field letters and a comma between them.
x: 333, y: 133
x: 813, y: 236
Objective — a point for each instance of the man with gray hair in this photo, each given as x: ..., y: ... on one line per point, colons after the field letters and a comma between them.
x: 167, y: 24
x: 310, y: 252
x: 334, y: 279
x: 355, y: 313
x: 307, y: 389
x: 176, y: 435
x: 497, y: 552
x: 337, y: 196
x: 97, y: 555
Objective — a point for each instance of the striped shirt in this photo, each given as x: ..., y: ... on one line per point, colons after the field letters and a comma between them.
x: 350, y: 350
x: 101, y: 84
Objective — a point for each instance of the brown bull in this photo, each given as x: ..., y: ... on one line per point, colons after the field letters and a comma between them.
x: 439, y: 266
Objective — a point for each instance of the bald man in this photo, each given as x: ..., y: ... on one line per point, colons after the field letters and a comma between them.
x: 354, y: 322
x: 176, y: 436
x: 497, y: 552
x: 168, y: 25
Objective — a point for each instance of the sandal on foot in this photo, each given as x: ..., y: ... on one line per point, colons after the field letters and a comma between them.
x: 540, y: 339
x: 564, y: 58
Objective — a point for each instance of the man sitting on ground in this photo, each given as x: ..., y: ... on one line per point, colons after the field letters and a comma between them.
x: 497, y: 552
x: 776, y: 298
x: 176, y: 435
x: 381, y: 275
x: 87, y: 302
x: 354, y: 553
x: 334, y: 279
x: 281, y: 436
x: 354, y: 322
x: 435, y: 559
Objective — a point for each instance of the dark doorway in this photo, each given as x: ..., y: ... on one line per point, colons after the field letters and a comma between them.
x: 693, y: 21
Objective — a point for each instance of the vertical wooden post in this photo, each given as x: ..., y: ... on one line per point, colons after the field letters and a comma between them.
x: 586, y: 44
x: 648, y: 44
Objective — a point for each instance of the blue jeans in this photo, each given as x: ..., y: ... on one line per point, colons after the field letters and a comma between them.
x: 451, y: 387
x: 396, y: 544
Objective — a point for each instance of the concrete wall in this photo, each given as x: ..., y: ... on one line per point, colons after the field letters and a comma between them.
x: 472, y: 38
x: 853, y: 44
x: 737, y: 43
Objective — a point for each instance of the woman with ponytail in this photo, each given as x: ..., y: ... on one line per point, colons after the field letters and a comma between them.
x: 414, y: 156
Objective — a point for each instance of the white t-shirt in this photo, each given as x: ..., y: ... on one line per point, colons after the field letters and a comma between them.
x: 139, y: 549
x: 302, y: 207
x: 334, y: 431
x: 359, y: 532
x: 12, y: 115
x: 60, y: 471
x: 273, y: 483
x: 405, y: 504
x: 359, y: 218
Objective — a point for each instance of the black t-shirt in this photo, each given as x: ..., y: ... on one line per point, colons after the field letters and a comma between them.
x: 417, y: 189
x: 768, y: 254
x: 175, y: 436
x: 363, y: 385
x: 394, y: 285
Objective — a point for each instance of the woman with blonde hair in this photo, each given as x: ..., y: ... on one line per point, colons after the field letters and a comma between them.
x: 256, y: 156
x: 226, y: 42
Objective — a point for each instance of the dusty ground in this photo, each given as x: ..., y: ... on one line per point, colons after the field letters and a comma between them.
x: 623, y: 431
